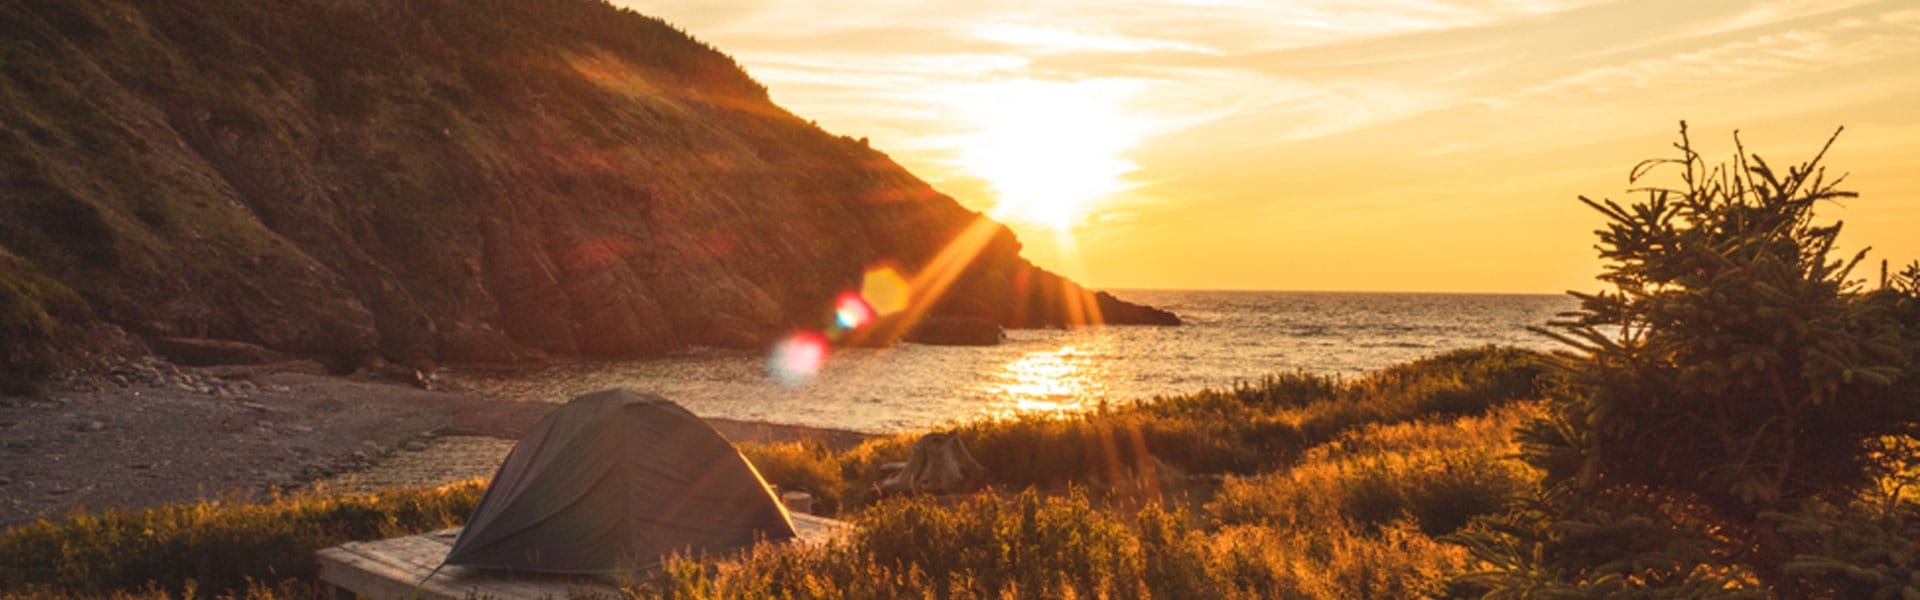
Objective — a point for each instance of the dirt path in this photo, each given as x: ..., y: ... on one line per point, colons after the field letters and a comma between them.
x: 152, y: 434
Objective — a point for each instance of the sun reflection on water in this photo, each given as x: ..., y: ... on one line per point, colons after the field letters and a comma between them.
x: 1070, y: 379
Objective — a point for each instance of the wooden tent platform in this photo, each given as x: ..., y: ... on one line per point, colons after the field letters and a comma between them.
x: 392, y: 568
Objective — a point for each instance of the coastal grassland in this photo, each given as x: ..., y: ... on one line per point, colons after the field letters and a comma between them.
x: 1175, y: 497
x: 1332, y: 488
x: 1249, y: 428
x: 1359, y: 513
x: 216, y: 547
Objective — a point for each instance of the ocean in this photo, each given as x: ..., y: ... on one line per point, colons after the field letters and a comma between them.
x: 1229, y: 337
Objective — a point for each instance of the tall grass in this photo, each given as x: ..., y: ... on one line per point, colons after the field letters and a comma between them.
x: 1333, y: 488
x: 215, y: 546
x: 801, y: 466
x: 1435, y: 475
x: 1333, y: 560
x: 1246, y: 429
x: 1350, y: 505
x: 1035, y: 546
x: 1026, y: 545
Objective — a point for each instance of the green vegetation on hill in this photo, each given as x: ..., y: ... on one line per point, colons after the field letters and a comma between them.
x: 444, y: 180
x: 28, y: 303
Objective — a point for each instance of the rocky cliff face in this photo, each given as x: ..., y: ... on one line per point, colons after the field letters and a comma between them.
x: 441, y: 180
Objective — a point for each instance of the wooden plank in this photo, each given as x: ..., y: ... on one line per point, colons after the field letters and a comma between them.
x: 393, y: 568
x: 343, y: 568
x: 815, y: 531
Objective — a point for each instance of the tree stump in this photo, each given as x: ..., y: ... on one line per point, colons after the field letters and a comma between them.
x: 939, y: 464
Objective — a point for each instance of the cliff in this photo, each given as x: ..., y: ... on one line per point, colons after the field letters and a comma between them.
x: 440, y: 180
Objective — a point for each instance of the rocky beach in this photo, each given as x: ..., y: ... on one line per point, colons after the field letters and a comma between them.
x: 149, y: 432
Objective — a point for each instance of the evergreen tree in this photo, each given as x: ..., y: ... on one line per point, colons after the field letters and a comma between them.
x: 1733, y: 386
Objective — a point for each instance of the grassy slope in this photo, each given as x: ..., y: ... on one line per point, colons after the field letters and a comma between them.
x: 440, y: 180
x: 1334, y: 489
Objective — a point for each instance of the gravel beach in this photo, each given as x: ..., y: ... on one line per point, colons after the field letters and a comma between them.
x: 151, y: 433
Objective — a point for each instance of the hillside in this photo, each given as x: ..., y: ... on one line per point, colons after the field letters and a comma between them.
x: 438, y: 180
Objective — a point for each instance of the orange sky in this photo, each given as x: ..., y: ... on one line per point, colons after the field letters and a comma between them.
x: 1416, y: 145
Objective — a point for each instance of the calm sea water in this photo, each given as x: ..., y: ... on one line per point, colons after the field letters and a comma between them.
x: 1229, y: 337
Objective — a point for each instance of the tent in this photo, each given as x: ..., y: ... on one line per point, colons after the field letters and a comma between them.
x: 612, y: 483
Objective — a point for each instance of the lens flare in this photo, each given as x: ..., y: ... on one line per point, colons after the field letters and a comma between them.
x: 851, y: 312
x: 885, y: 291
x: 796, y: 360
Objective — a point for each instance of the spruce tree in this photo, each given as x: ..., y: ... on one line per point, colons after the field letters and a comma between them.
x: 1734, y: 377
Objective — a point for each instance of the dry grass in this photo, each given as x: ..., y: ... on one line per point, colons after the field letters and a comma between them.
x: 215, y: 547
x: 1336, y: 489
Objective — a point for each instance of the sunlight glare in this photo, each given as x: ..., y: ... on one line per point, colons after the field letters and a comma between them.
x: 1048, y: 382
x: 1050, y: 150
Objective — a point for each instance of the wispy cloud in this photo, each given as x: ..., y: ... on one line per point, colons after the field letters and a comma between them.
x: 1058, y: 39
x: 1742, y: 62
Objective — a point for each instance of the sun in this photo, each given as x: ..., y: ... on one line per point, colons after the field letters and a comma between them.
x: 1050, y: 151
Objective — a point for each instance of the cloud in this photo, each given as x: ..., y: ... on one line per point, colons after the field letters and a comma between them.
x: 1058, y: 39
x: 1764, y: 57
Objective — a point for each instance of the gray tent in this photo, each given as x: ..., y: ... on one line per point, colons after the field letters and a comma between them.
x: 612, y: 483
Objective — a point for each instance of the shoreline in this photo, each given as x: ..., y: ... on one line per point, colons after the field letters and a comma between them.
x: 150, y: 433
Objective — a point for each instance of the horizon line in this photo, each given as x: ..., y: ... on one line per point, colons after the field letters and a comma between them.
x: 1320, y: 291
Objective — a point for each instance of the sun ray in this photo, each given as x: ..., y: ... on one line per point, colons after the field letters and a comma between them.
x: 1050, y: 151
x: 929, y: 284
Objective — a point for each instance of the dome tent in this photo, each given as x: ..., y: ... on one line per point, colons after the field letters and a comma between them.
x: 612, y: 483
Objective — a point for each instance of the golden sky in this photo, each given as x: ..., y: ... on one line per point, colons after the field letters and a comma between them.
x: 1409, y: 145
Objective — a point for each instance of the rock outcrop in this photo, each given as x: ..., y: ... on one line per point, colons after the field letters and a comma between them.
x: 449, y: 180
